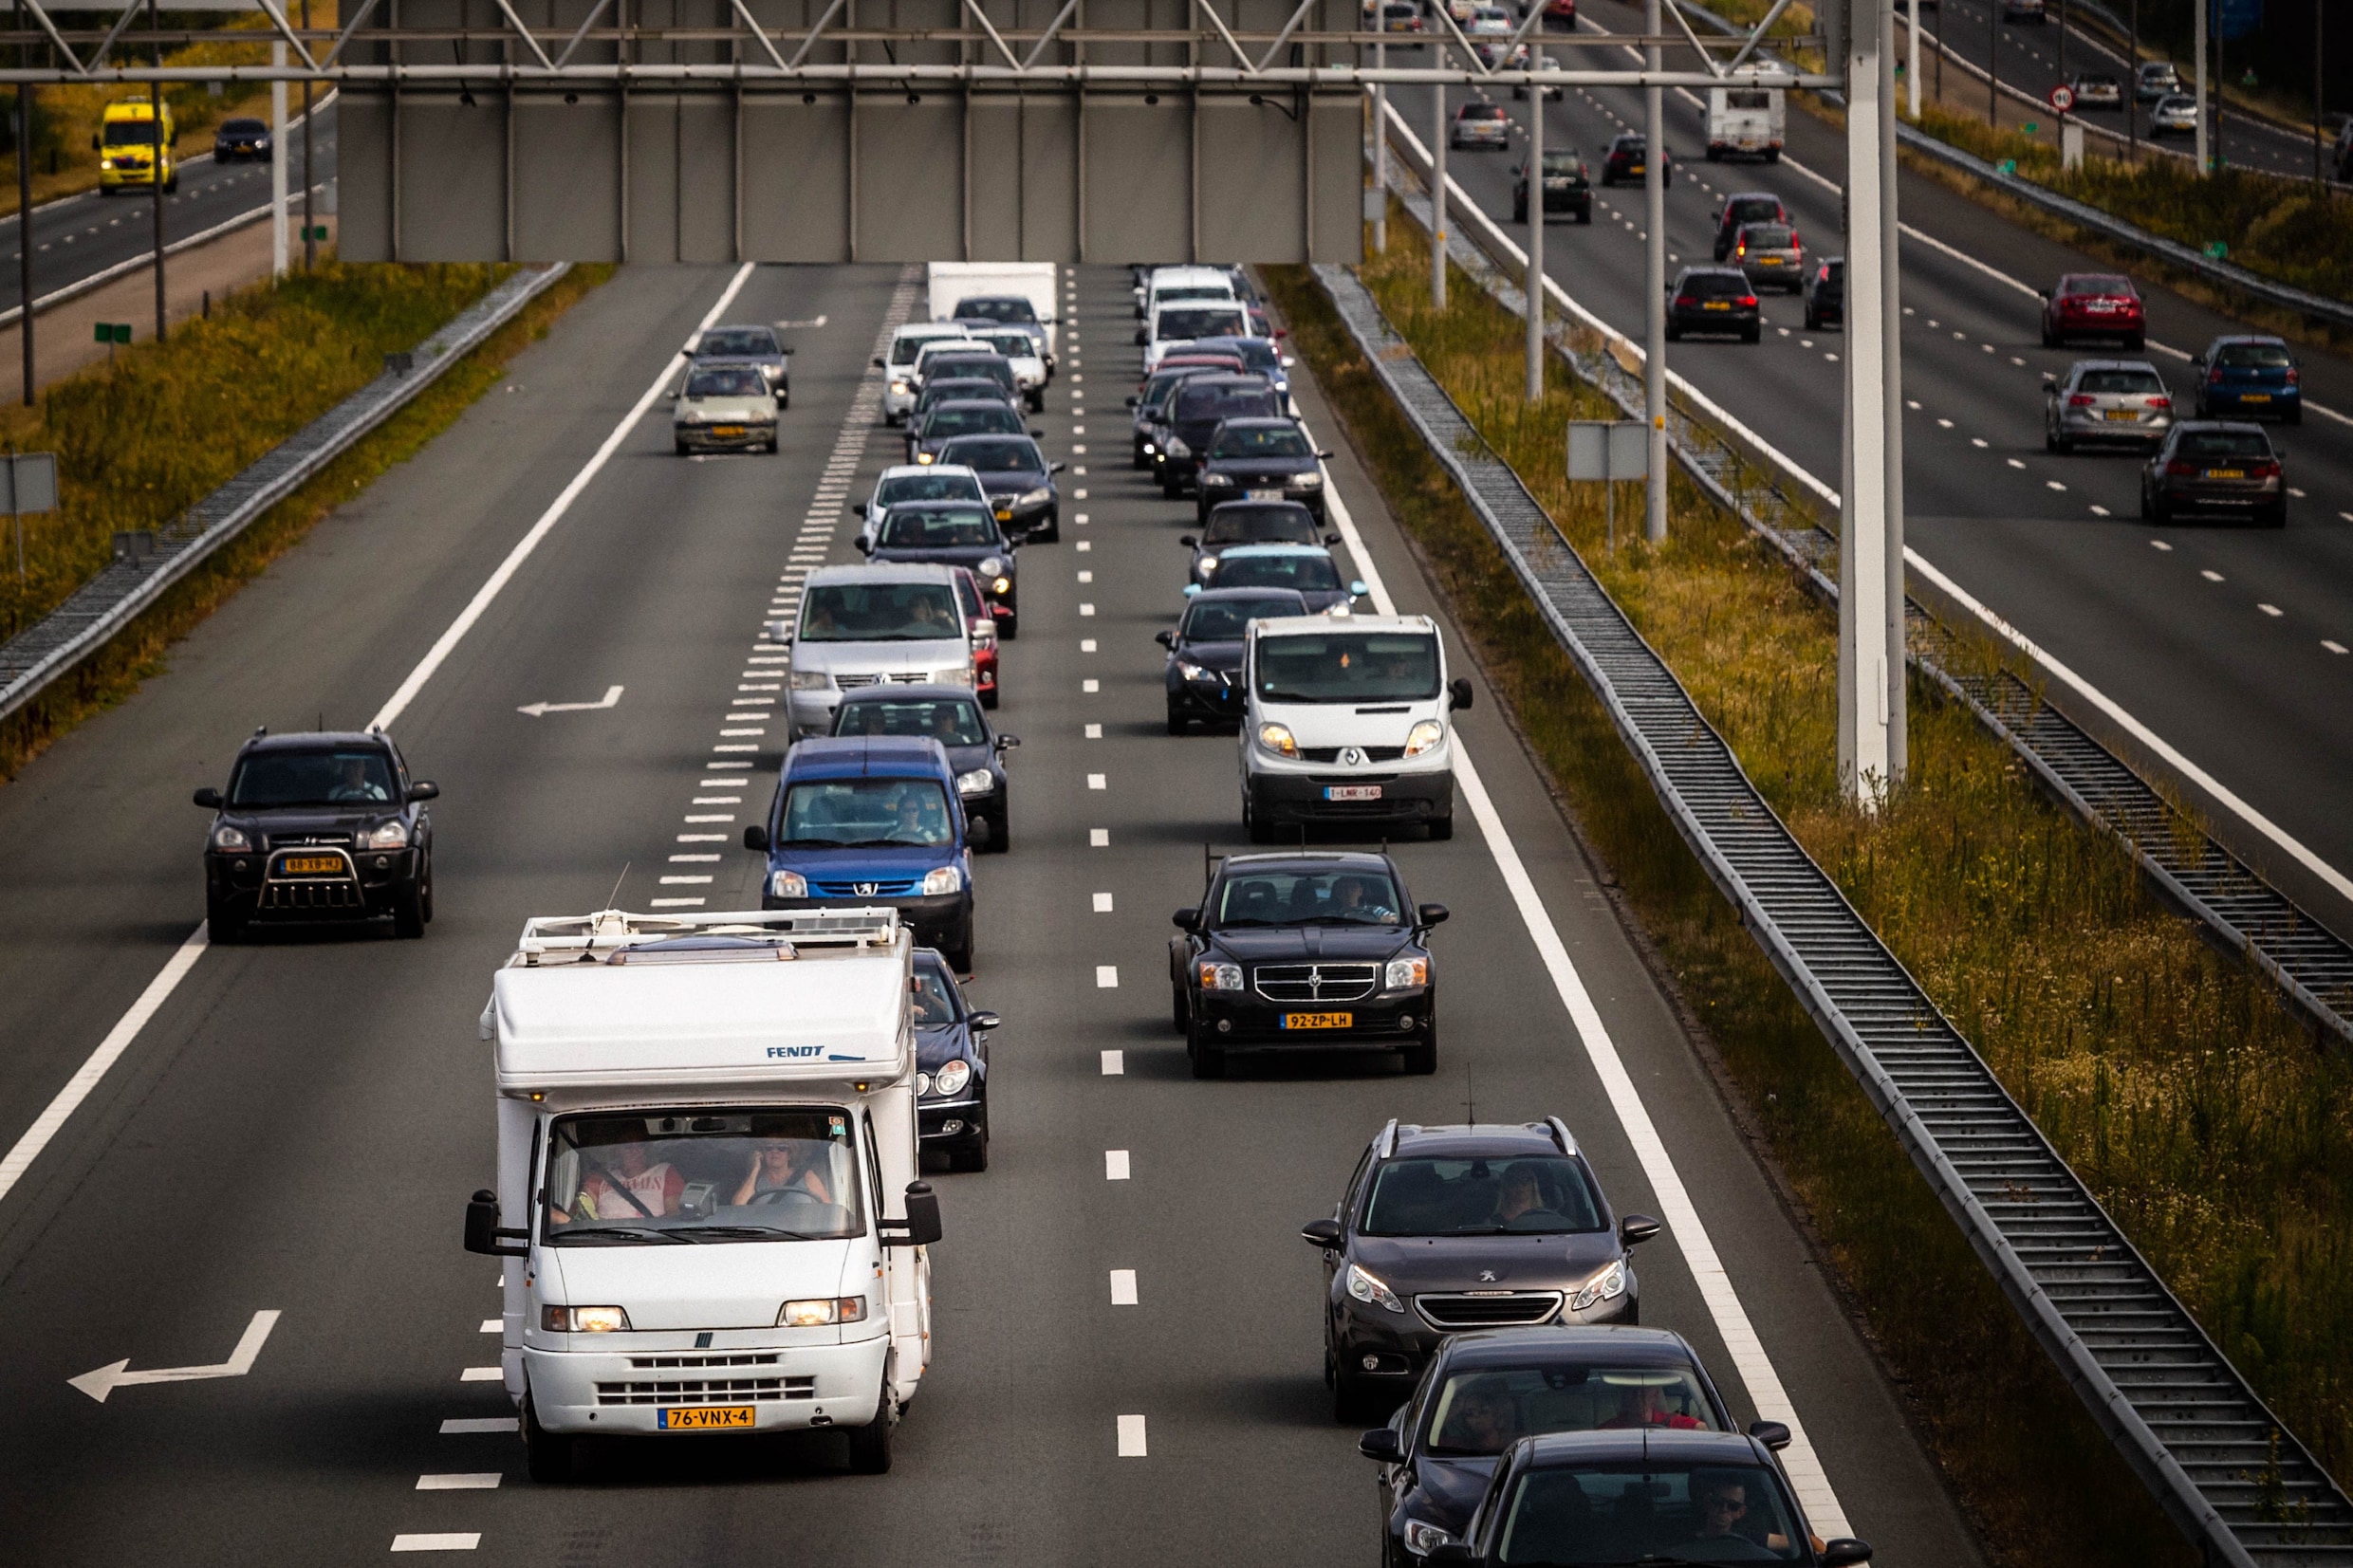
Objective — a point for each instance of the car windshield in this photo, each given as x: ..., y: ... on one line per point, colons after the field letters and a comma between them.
x: 941, y: 528
x: 904, y: 352
x: 740, y: 1175
x: 1261, y: 441
x: 1228, y: 401
x: 880, y: 612
x: 130, y: 133
x: 1311, y: 571
x: 935, y: 1004
x: 357, y: 775
x: 1352, y: 896
x: 962, y: 389
x: 1477, y: 1197
x: 1014, y: 345
x: 945, y: 367
x: 950, y: 721
x: 1246, y: 524
x: 2096, y: 286
x: 1480, y: 1410
x: 2254, y: 357
x: 1604, y: 1515
x: 1192, y: 291
x: 2198, y: 444
x: 1254, y: 353
x: 1480, y: 111
x: 1714, y: 285
x: 242, y: 127
x: 1227, y: 619
x: 1009, y: 307
x: 737, y: 340
x: 1625, y: 145
x: 1197, y: 321
x: 727, y: 384
x: 1753, y: 210
x: 1562, y: 160
x: 865, y: 813
x: 971, y: 419
x: 933, y: 485
x: 2118, y: 381
x: 1346, y: 666
x: 995, y: 456
x: 1766, y: 236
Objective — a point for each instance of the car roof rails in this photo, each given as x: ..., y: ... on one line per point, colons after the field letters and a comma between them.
x: 1388, y: 1142
x: 1561, y: 1135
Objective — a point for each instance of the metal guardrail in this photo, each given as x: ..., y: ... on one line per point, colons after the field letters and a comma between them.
x: 139, y: 574
x: 2231, y: 1477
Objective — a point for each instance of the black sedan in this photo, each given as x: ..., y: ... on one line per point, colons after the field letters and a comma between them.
x: 241, y: 141
x: 1713, y: 298
x: 324, y: 825
x: 756, y: 346
x: 1307, y: 568
x: 952, y: 1067
x: 950, y: 716
x: 1304, y: 953
x: 935, y: 427
x: 2206, y: 465
x: 1477, y: 1227
x: 961, y: 389
x: 1192, y: 416
x: 1825, y: 293
x: 1204, y: 674
x: 1018, y: 479
x: 960, y: 365
x: 1231, y: 523
x: 1486, y: 1389
x: 1626, y: 163
x: 957, y: 533
x: 1260, y: 460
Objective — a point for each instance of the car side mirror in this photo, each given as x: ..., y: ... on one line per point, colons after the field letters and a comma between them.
x: 1323, y: 1234
x: 1187, y: 920
x: 1188, y: 541
x: 863, y: 545
x: 1324, y: 457
x: 1166, y: 640
x: 1055, y: 467
x: 484, y: 1233
x: 1132, y: 402
x: 1192, y: 588
x: 755, y: 838
x: 1357, y: 588
x: 1037, y: 435
x: 1431, y: 914
x: 2043, y: 293
x: 1773, y: 1434
x: 1634, y: 1229
x: 1139, y: 337
x: 1288, y: 362
x: 1842, y: 1552
x: 1381, y: 1443
x: 877, y: 362
x: 984, y: 1020
x: 921, y: 1225
x: 859, y: 506
x: 1458, y: 694
x: 1332, y: 540
x: 210, y: 798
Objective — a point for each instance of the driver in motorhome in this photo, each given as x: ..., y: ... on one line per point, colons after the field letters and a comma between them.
x: 786, y: 1165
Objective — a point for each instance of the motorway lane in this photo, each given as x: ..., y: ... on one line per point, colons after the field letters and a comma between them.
x: 76, y: 236
x: 300, y: 1126
x: 2054, y: 543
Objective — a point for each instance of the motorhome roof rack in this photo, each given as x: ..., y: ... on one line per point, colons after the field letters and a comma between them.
x: 589, y: 938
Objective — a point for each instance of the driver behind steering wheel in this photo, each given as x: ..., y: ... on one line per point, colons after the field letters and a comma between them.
x: 785, y: 1165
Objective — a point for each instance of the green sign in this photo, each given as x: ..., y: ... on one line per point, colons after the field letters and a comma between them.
x: 2215, y: 250
x: 2008, y: 166
x: 113, y: 332
x: 316, y: 232
x: 2032, y: 127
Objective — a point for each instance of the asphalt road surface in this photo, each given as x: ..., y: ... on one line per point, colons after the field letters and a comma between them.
x: 2229, y: 641
x: 298, y: 1125
x: 77, y: 236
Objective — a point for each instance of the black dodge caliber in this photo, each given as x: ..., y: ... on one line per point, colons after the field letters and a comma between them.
x: 1304, y: 953
x: 1205, y: 651
x: 1446, y: 1228
x: 319, y: 827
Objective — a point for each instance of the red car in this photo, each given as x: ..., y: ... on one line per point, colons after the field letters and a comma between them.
x: 980, y: 621
x: 1563, y: 12
x: 2093, y: 304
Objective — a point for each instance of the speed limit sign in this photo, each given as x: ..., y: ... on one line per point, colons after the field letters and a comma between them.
x: 2063, y: 98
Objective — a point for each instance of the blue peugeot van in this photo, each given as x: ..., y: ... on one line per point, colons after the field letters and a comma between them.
x: 866, y: 820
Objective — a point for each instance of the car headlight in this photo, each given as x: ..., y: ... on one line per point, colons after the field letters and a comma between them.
x: 1194, y: 672
x: 960, y: 676
x: 924, y: 457
x: 978, y: 781
x: 225, y: 836
x: 1277, y: 739
x: 1404, y: 973
x: 899, y: 387
x: 1038, y: 497
x: 1208, y: 564
x: 1424, y: 737
x: 992, y: 564
x: 941, y: 880
x: 952, y: 1079
x: 584, y: 1320
x: 825, y: 1309
x: 1422, y: 1537
x: 1366, y: 1288
x: 1177, y: 448
x: 1607, y: 1285
x: 1308, y: 481
x: 689, y: 416
x: 786, y: 884
x: 1220, y: 977
x: 392, y: 835
x: 811, y: 680
x: 1217, y: 479
x: 1001, y: 585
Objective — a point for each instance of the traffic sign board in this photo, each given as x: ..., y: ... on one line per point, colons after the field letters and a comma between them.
x: 2063, y: 98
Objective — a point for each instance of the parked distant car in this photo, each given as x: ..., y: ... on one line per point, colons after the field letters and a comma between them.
x: 1480, y: 125
x: 1625, y: 162
x: 2099, y: 91
x: 241, y: 141
x: 2093, y: 304
x: 2156, y: 80
x: 2208, y: 466
x: 1825, y: 293
x: 2102, y: 401
x: 1713, y: 299
x: 2249, y: 378
x: 2173, y: 116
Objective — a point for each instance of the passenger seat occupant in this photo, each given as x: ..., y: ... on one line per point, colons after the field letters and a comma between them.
x: 631, y: 1188
x: 1644, y: 1404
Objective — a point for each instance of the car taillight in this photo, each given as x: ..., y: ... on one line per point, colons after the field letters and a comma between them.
x: 2179, y: 470
x: 2269, y: 470
x: 2160, y: 402
x: 1743, y: 248
x: 1748, y: 302
x: 2213, y: 377
x: 2291, y: 374
x: 1795, y: 243
x: 2081, y: 400
x: 1686, y: 300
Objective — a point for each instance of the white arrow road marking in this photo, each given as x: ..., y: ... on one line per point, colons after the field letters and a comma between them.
x: 99, y: 1384
x: 612, y: 696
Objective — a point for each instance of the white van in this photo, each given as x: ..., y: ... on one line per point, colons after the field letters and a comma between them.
x: 1347, y: 721
x: 707, y: 1169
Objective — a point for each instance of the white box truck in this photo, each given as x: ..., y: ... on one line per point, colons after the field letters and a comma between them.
x: 952, y: 283
x: 1744, y: 120
x: 707, y: 1177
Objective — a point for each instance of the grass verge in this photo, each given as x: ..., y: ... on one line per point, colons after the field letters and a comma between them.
x: 2193, y: 1105
x: 265, y: 338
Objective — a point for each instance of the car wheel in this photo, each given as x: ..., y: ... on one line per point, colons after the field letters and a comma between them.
x: 2148, y: 512
x: 424, y: 888
x: 960, y: 956
x: 973, y: 1156
x: 2050, y: 338
x: 1584, y: 214
x: 989, y: 700
x: 1258, y: 832
x: 2293, y: 415
x: 223, y: 926
x: 1008, y: 630
x: 1179, y: 724
x: 1209, y: 1061
x: 681, y: 446
x: 1441, y: 828
x: 1351, y: 1399
x: 870, y: 1445
x: 1519, y: 211
x: 2158, y: 510
x: 2274, y: 517
x: 1420, y: 1058
x: 1052, y: 534
x: 1752, y: 334
x: 408, y: 911
x: 1675, y: 333
x: 1136, y: 459
x: 2132, y: 342
x: 548, y: 1457
x: 1813, y: 323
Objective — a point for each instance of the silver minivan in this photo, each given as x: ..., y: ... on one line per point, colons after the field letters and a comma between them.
x: 872, y: 626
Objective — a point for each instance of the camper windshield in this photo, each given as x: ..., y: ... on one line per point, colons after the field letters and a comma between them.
x: 738, y: 1175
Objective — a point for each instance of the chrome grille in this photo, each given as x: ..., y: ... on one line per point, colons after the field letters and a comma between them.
x: 722, y: 1358
x: 1316, y: 982
x: 1331, y: 753
x: 276, y: 841
x: 1489, y: 1309
x: 705, y: 1391
x: 901, y: 889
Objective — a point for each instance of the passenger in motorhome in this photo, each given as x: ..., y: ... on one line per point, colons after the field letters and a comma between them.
x: 634, y: 1187
x: 784, y: 1165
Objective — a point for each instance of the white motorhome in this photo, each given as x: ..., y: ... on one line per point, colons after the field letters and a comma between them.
x: 1347, y: 721
x: 706, y: 1175
x: 954, y: 282
x: 1744, y: 120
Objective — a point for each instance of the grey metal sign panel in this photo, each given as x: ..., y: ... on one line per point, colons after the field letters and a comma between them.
x: 29, y: 482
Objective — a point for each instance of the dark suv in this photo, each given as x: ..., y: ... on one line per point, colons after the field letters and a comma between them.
x: 325, y: 825
x: 1196, y: 409
x: 1446, y: 1228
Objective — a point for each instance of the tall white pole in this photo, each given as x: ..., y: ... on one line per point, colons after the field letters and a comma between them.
x: 1381, y: 146
x: 277, y: 166
x: 1438, y: 187
x: 1891, y: 399
x: 1654, y: 274
x: 1533, y: 284
x: 2197, y: 15
x: 1912, y: 59
x: 1864, y: 768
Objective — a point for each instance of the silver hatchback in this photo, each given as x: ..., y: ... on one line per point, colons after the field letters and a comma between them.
x: 2102, y: 401
x: 1771, y: 256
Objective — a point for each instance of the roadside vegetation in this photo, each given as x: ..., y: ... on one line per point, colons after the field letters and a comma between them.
x: 2199, y: 1111
x: 140, y: 439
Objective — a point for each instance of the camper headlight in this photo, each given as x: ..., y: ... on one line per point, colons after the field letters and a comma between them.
x: 825, y: 1310
x: 786, y: 884
x: 584, y: 1320
x: 1423, y: 737
x: 941, y: 880
x: 952, y: 1079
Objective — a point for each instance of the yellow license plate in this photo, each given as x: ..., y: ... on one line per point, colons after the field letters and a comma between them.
x: 2122, y: 414
x: 1769, y: 261
x: 726, y: 430
x: 1005, y: 514
x: 2226, y: 474
x: 1318, y: 1021
x: 2254, y: 396
x: 311, y: 865
x: 704, y: 1418
x: 1717, y: 304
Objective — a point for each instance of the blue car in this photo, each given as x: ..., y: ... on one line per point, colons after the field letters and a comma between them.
x: 2249, y: 378
x: 871, y: 821
x: 1259, y: 356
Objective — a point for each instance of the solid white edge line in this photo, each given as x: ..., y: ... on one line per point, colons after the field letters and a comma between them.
x: 2278, y: 835
x: 1684, y: 1227
x: 67, y: 1099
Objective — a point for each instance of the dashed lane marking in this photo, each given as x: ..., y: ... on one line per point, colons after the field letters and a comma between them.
x: 480, y: 1426
x: 1123, y: 1287
x: 1107, y: 977
x: 1113, y: 1065
x: 1103, y: 903
x: 459, y: 1480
